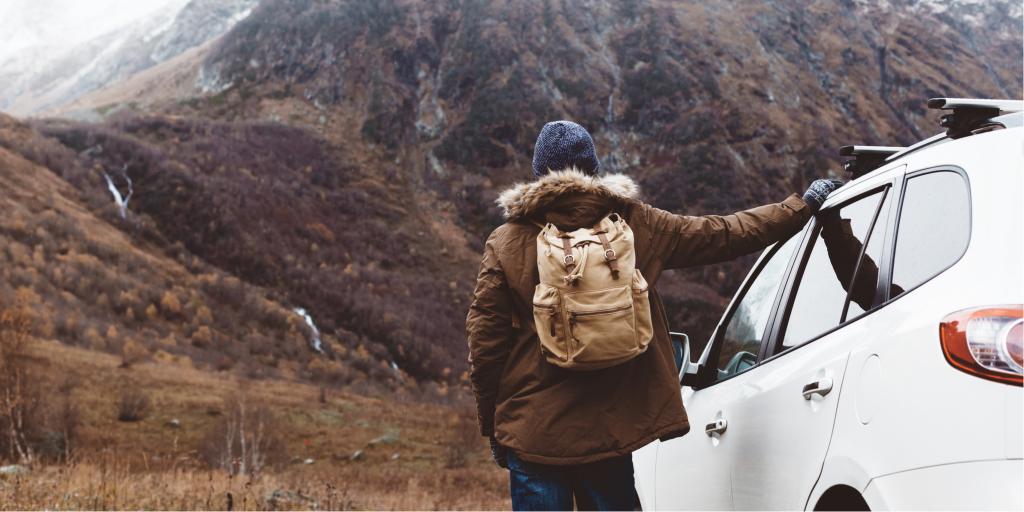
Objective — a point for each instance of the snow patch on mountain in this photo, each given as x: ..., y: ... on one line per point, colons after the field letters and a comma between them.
x: 53, y: 75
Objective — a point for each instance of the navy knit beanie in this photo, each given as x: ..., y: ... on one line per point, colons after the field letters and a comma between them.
x: 564, y: 144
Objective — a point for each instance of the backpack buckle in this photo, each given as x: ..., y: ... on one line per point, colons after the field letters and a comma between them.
x: 610, y: 255
x: 568, y: 260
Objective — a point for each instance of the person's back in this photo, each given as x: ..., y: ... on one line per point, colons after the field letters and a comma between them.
x: 571, y: 433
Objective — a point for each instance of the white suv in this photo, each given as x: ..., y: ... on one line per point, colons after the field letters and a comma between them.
x: 874, y: 360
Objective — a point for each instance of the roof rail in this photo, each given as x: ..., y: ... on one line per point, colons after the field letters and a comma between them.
x: 969, y: 114
x: 866, y: 158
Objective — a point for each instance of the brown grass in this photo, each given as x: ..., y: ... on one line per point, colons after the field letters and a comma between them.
x: 106, y: 487
x: 405, y: 462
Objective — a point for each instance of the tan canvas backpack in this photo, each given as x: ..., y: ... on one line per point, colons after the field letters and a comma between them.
x: 591, y: 306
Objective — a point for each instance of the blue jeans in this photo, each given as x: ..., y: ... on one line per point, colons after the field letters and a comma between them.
x: 602, y: 485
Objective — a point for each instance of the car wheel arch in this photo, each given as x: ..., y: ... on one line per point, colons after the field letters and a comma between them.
x: 838, y: 472
x: 841, y: 497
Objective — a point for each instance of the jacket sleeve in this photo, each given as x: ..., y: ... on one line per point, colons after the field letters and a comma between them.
x: 489, y: 331
x: 684, y: 241
x: 843, y: 250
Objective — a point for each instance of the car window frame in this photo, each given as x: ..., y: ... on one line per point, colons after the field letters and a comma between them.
x: 710, y: 361
x: 889, y: 206
x: 890, y: 250
x: 780, y: 317
x: 897, y: 190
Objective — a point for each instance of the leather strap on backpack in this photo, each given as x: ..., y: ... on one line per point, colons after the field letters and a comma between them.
x: 567, y: 248
x: 609, y: 254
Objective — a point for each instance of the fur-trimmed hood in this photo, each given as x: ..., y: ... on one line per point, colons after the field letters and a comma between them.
x: 524, y: 199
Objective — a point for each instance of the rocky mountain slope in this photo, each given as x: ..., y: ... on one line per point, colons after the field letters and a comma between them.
x: 345, y: 155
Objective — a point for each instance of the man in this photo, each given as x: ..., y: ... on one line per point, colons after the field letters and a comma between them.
x: 567, y: 436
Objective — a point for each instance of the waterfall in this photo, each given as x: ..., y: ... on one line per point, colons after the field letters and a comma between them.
x: 120, y: 201
x: 315, y: 343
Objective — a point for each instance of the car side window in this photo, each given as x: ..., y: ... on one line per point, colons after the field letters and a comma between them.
x: 741, y: 339
x: 933, y: 230
x: 822, y: 286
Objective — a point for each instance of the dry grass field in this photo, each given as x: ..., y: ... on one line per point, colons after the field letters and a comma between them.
x: 410, y: 455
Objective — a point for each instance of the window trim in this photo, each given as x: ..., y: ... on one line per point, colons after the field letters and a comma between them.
x: 886, y: 194
x: 780, y: 318
x: 891, y: 249
x: 710, y: 364
x: 883, y: 286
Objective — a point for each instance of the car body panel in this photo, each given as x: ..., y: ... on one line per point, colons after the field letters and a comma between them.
x: 677, y: 485
x: 779, y: 438
x: 980, y: 485
x: 644, y: 460
x: 901, y: 426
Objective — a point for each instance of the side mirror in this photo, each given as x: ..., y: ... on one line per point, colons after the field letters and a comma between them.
x: 681, y: 350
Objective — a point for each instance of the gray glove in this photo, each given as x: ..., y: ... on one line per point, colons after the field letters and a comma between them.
x: 499, y: 453
x: 819, y: 191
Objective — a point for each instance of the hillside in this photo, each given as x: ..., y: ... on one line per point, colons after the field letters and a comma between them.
x: 345, y: 155
x: 117, y: 285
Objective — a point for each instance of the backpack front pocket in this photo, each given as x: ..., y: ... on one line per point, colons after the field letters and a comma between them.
x: 601, y: 325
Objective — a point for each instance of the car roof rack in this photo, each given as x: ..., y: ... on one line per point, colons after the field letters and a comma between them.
x: 866, y: 158
x: 969, y: 115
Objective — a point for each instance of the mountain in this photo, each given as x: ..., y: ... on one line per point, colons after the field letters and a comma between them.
x: 114, y: 282
x: 344, y: 156
x: 29, y: 86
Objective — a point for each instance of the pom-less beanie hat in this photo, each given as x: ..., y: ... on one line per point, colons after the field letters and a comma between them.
x: 564, y: 144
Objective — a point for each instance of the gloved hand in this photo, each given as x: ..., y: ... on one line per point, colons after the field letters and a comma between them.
x: 499, y: 453
x: 819, y: 191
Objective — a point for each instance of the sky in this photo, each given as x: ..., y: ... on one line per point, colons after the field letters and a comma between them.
x: 42, y: 28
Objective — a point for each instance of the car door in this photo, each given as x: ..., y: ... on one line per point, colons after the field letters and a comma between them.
x: 693, y: 471
x: 787, y: 405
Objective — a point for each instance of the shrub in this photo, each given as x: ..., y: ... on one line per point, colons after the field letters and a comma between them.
x: 93, y: 339
x: 133, y: 352
x: 113, y: 337
x: 204, y: 316
x: 133, y: 404
x: 202, y: 337
x: 170, y: 305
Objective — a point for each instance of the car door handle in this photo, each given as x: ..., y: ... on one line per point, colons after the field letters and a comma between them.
x: 819, y: 387
x: 718, y: 427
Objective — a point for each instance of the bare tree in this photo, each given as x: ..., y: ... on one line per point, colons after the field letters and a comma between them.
x: 17, y: 399
x: 245, y: 441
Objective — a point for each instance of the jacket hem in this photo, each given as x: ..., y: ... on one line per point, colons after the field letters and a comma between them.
x: 670, y: 432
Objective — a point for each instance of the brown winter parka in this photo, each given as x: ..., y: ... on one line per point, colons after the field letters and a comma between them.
x: 550, y: 415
